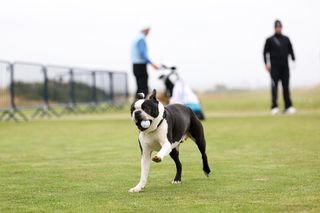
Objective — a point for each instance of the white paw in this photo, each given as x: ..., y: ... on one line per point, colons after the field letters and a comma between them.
x: 135, y: 189
x: 176, y: 182
x: 206, y: 174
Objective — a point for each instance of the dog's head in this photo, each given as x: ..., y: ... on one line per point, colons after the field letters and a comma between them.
x: 147, y: 110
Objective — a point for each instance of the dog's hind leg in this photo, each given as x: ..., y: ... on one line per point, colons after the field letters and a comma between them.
x: 197, y: 135
x: 174, y: 154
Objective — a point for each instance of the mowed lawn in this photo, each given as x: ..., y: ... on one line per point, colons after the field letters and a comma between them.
x: 86, y: 163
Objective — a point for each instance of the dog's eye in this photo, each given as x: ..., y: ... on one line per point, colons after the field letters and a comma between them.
x: 150, y: 108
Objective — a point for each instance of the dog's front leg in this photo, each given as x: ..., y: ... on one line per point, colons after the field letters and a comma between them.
x: 145, y: 166
x: 165, y: 150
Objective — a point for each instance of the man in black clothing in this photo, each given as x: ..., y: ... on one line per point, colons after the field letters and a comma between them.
x: 279, y: 47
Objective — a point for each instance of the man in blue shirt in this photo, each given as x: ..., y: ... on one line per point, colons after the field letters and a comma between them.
x: 140, y: 59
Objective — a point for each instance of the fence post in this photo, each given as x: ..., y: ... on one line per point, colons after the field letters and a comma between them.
x: 45, y: 87
x: 45, y: 109
x: 13, y: 111
x: 72, y: 105
x: 94, y: 88
x: 111, y: 87
x: 72, y: 88
x: 92, y: 107
x: 12, y: 92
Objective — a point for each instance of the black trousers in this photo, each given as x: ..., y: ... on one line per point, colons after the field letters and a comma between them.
x: 280, y: 73
x: 141, y: 74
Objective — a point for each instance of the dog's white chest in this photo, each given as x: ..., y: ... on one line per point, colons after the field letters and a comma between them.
x: 154, y: 140
x: 150, y: 140
x: 154, y: 145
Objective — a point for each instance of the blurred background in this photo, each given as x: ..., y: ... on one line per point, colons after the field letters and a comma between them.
x: 81, y: 65
x: 213, y: 43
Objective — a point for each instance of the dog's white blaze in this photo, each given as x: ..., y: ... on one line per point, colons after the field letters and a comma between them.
x: 155, y: 121
x: 138, y: 104
x: 137, y: 107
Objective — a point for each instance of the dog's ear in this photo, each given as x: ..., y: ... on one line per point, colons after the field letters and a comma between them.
x: 153, y: 96
x: 140, y: 96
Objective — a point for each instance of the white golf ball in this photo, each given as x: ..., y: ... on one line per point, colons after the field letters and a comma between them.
x: 145, y: 124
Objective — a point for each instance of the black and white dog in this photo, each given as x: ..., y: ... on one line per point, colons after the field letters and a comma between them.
x: 167, y: 128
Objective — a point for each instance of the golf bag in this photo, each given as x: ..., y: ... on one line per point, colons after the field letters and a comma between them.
x: 179, y: 92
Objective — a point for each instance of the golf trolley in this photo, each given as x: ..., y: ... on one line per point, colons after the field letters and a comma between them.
x: 177, y: 91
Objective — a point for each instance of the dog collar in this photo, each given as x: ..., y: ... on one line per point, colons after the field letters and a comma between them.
x: 163, y: 117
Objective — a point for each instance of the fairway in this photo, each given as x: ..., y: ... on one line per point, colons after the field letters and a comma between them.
x: 259, y: 162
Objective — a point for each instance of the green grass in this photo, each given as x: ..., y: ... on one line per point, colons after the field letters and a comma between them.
x: 259, y: 100
x: 260, y: 163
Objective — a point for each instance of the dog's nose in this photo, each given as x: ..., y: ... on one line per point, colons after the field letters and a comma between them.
x: 137, y: 113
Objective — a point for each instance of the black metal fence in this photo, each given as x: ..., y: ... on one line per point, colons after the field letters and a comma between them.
x: 29, y: 90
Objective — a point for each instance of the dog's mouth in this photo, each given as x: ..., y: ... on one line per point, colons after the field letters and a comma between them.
x: 138, y: 123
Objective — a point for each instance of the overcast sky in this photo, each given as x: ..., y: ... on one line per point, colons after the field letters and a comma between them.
x: 211, y: 42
